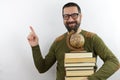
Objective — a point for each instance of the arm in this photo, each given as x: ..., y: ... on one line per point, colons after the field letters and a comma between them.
x: 111, y: 64
x: 42, y: 64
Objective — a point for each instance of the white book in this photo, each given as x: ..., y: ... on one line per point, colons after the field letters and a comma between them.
x: 78, y: 64
x: 78, y: 68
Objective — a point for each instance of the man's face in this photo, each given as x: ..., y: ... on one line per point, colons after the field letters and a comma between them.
x: 71, y: 18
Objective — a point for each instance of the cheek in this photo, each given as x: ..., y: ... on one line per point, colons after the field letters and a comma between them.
x: 78, y: 20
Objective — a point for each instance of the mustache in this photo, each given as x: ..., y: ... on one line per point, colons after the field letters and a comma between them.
x: 71, y: 22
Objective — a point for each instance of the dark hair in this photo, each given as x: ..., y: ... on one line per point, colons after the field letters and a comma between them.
x: 70, y: 4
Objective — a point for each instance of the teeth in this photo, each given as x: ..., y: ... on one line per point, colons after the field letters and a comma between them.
x: 72, y: 23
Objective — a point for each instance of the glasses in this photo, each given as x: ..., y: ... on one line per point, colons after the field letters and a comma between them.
x: 67, y: 16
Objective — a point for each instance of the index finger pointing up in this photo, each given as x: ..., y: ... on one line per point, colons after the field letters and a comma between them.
x: 32, y: 29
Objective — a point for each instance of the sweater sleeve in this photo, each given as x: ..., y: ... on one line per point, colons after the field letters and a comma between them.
x: 43, y: 64
x: 111, y: 63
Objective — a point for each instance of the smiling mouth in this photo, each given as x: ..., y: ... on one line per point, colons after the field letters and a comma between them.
x: 72, y: 24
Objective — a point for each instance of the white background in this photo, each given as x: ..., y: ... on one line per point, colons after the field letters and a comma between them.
x: 16, y: 62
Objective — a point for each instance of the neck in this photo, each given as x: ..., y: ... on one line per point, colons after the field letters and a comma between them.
x: 78, y: 31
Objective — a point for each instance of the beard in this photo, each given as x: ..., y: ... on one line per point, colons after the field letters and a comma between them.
x: 74, y: 28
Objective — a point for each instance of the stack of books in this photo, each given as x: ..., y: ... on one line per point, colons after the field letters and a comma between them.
x: 79, y: 65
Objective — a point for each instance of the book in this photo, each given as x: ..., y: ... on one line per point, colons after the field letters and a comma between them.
x: 79, y: 72
x: 76, y: 60
x: 79, y: 68
x: 74, y: 78
x: 79, y: 51
x: 78, y: 64
x: 78, y: 55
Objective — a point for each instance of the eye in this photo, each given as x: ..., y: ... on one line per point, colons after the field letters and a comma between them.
x: 74, y: 15
x: 66, y: 16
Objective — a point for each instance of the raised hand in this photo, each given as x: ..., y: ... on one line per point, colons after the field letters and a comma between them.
x: 32, y: 38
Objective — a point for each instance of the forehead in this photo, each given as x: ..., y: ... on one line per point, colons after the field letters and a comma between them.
x: 70, y: 10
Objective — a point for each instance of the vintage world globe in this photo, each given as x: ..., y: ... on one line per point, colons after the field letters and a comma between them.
x: 77, y: 40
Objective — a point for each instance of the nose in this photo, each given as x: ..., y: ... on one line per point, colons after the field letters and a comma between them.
x: 70, y: 19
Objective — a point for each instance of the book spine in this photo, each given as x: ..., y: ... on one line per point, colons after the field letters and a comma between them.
x: 73, y: 60
x: 80, y: 73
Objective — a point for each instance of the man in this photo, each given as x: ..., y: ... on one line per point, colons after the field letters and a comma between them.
x: 93, y: 43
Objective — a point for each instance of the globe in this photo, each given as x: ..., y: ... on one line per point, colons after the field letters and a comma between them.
x: 77, y: 40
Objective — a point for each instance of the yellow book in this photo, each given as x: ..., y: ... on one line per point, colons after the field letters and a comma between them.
x: 77, y: 60
x: 74, y: 78
x: 79, y: 73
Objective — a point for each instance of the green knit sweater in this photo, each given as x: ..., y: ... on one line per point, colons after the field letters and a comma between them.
x: 93, y: 43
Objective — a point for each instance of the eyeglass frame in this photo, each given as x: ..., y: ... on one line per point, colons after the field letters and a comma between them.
x: 73, y: 16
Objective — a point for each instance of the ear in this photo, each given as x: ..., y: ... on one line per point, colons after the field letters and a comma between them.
x: 80, y: 16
